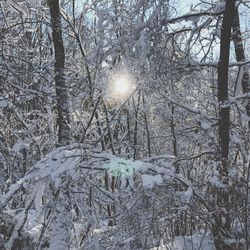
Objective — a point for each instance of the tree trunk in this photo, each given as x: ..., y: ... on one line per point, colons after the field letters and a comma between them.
x: 240, y: 57
x: 222, y: 223
x: 245, y: 84
x: 60, y: 84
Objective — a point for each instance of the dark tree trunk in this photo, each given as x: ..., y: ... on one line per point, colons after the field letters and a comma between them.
x: 222, y: 223
x: 61, y: 89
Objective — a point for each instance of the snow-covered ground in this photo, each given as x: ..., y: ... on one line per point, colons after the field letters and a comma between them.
x: 198, y: 241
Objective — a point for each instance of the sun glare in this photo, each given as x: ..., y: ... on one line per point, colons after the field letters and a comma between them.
x: 122, y: 86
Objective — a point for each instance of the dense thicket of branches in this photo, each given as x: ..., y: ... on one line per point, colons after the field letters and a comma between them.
x: 163, y: 161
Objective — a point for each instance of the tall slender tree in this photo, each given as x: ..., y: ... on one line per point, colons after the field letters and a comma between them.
x: 223, y: 201
x: 60, y: 83
x: 245, y: 84
x: 240, y: 56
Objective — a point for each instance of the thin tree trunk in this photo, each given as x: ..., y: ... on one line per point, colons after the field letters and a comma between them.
x: 136, y: 126
x: 222, y: 225
x: 174, y: 139
x: 245, y: 84
x: 240, y: 56
x: 146, y: 126
x: 61, y: 89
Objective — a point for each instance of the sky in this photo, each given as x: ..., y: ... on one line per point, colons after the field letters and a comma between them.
x: 184, y: 6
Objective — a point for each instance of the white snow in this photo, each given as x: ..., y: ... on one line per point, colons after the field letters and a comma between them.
x: 197, y: 241
x: 19, y: 146
x: 4, y: 102
x: 205, y: 125
x: 186, y: 195
x: 215, y: 182
x: 220, y: 5
x: 148, y: 181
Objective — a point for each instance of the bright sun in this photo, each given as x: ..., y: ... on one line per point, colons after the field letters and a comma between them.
x: 122, y: 85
